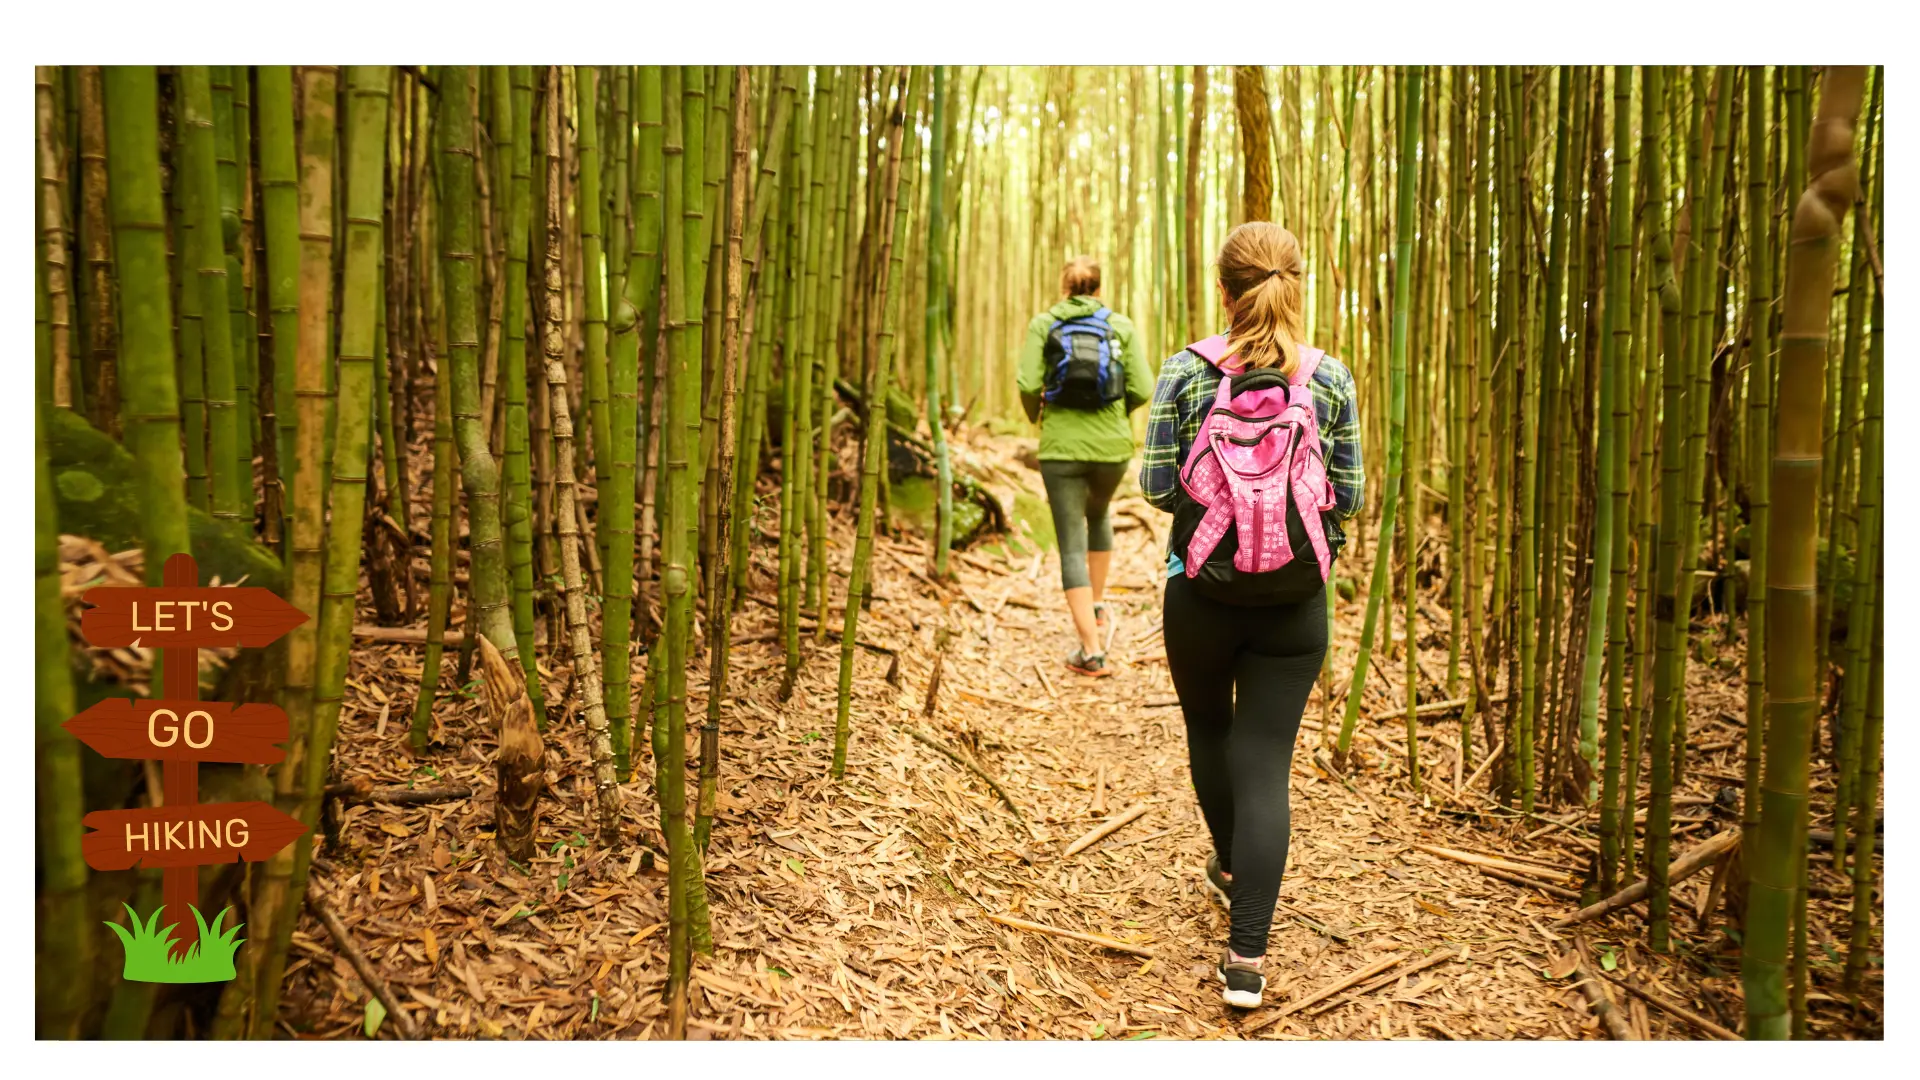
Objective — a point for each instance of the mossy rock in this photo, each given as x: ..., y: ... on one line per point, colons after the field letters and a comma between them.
x: 96, y: 496
x: 912, y: 505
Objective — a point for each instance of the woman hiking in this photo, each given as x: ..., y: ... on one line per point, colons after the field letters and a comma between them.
x: 1079, y: 377
x: 1253, y: 443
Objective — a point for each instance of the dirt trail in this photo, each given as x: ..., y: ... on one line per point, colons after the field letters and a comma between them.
x: 860, y: 909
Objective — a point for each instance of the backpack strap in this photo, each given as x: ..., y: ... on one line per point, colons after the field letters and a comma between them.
x: 1213, y: 350
x: 1310, y: 358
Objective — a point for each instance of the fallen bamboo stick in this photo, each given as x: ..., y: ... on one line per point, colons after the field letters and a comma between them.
x: 1688, y: 1015
x: 1498, y: 749
x: 351, y: 791
x: 1313, y: 924
x: 1473, y: 859
x: 1091, y: 939
x: 1100, y: 789
x: 1602, y: 1005
x: 989, y: 699
x: 1697, y: 858
x: 1104, y: 829
x: 405, y: 635
x: 343, y: 940
x: 1327, y: 991
x: 1439, y: 956
x: 1529, y: 883
x: 973, y: 768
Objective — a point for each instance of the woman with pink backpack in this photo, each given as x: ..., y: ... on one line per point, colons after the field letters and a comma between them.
x: 1253, y: 444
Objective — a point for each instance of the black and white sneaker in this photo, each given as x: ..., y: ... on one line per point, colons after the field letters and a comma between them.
x: 1218, y: 883
x: 1244, y: 982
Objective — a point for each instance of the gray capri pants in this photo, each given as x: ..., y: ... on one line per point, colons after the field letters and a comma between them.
x: 1078, y: 493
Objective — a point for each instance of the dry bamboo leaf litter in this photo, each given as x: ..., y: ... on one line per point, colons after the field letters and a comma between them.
x: 883, y: 928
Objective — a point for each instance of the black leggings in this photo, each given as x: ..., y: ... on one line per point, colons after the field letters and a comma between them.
x: 1240, y: 753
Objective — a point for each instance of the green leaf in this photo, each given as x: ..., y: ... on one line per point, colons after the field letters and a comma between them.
x: 1608, y: 959
x: 1142, y: 1035
x: 593, y: 1011
x: 563, y: 882
x: 797, y: 866
x: 376, y: 1015
x: 1099, y: 1031
x: 782, y: 972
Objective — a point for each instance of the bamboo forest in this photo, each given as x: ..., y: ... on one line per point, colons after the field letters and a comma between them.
x: 643, y: 459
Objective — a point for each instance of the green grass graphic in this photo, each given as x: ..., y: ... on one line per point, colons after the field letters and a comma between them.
x: 208, y: 960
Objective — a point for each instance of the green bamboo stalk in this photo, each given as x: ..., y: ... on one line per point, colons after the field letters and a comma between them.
x: 1617, y: 271
x: 147, y: 379
x: 1860, y: 941
x: 1779, y: 851
x: 1457, y: 333
x: 720, y: 605
x: 677, y: 576
x: 634, y: 320
x: 1759, y: 432
x: 309, y: 338
x: 365, y: 168
x: 63, y: 941
x: 516, y: 509
x: 231, y: 130
x: 280, y: 204
x: 1537, y: 395
x: 889, y: 286
x: 1415, y: 451
x: 1855, y: 783
x: 208, y: 259
x: 1610, y: 527
x: 1672, y: 484
x: 935, y: 319
x: 794, y: 372
x: 1840, y: 483
x: 1378, y: 588
x: 845, y: 192
x: 586, y: 665
x: 1706, y: 225
x: 440, y: 561
x: 592, y: 244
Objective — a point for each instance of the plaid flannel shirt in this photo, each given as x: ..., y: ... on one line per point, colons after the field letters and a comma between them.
x: 1182, y: 398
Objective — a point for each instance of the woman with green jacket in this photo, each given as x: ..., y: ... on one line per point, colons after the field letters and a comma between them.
x: 1080, y: 375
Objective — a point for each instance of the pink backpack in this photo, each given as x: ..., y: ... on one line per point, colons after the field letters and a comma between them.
x: 1256, y: 484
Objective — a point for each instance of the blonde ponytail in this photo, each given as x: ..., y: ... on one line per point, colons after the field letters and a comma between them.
x: 1260, y: 268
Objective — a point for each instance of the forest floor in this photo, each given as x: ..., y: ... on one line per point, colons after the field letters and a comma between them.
x: 865, y: 908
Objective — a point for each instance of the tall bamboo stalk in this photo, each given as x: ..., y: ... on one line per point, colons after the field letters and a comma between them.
x: 1760, y: 379
x: 208, y: 258
x: 897, y: 192
x: 1379, y: 587
x: 440, y: 560
x: 1611, y: 528
x: 516, y: 504
x: 56, y: 374
x: 677, y: 571
x: 1194, y: 309
x: 271, y: 915
x: 935, y: 322
x: 1792, y: 684
x: 586, y: 665
x: 1672, y: 486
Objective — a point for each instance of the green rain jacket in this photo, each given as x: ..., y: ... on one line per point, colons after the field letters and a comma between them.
x: 1101, y: 434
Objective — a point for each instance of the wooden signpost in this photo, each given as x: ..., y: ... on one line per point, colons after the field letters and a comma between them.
x: 180, y: 730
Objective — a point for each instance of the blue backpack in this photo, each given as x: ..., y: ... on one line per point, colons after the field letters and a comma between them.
x: 1082, y: 369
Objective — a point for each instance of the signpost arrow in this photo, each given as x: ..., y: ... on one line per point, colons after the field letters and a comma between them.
x: 191, y: 617
x: 183, y: 730
x: 204, y: 834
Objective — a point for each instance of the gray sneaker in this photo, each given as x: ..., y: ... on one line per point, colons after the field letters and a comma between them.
x: 1219, y: 883
x: 1096, y: 666
x: 1244, y: 982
